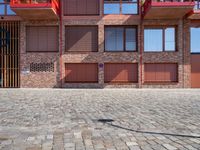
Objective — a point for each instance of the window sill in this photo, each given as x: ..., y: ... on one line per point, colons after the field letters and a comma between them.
x: 160, y: 51
x: 120, y: 51
x: 160, y: 82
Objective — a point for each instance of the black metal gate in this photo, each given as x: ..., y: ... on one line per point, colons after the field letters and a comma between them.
x: 9, y: 54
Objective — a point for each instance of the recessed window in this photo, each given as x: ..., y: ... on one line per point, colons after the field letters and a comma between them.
x: 159, y: 39
x: 81, y: 38
x: 120, y: 39
x: 120, y: 6
x: 195, y: 40
x: 42, y: 39
x: 5, y: 8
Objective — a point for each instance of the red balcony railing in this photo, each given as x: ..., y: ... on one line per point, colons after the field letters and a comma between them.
x: 36, y: 4
x: 168, y: 4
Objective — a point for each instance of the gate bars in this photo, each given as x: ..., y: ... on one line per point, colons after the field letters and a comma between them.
x: 9, y: 54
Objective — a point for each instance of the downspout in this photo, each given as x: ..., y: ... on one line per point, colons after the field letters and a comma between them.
x: 183, y: 48
x: 61, y: 27
x: 141, y: 58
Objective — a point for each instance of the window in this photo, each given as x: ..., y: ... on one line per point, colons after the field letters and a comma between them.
x: 42, y: 39
x: 159, y: 39
x: 81, y: 7
x: 120, y: 39
x: 120, y: 6
x: 197, y: 4
x: 81, y: 38
x: 5, y: 8
x: 195, y: 40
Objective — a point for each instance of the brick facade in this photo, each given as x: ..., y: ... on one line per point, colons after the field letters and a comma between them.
x: 56, y: 79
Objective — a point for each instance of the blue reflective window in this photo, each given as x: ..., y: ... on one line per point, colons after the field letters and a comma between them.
x: 153, y: 40
x: 111, y: 8
x: 114, y: 39
x: 120, y: 6
x: 129, y: 8
x: 9, y: 11
x: 195, y: 40
x: 170, y: 39
x: 159, y: 39
x: 2, y: 9
x: 5, y: 8
x: 120, y: 39
x: 131, y: 39
x: 197, y: 4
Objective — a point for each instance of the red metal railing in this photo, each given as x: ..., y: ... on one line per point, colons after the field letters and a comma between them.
x: 36, y: 4
x: 148, y: 3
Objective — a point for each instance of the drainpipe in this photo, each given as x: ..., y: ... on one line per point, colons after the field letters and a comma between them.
x: 61, y: 28
x: 141, y: 20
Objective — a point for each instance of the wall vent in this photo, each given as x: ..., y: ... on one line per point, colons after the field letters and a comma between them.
x: 42, y: 67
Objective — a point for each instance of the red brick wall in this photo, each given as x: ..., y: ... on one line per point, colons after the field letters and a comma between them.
x: 53, y: 79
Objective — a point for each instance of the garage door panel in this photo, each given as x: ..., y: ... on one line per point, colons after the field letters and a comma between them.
x: 81, y: 72
x: 119, y: 73
x: 150, y: 73
x: 195, y: 70
x: 161, y: 72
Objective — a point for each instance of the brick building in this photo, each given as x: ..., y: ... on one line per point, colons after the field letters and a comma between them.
x: 100, y: 43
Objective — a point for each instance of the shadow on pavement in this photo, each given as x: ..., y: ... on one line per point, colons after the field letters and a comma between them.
x: 109, y: 122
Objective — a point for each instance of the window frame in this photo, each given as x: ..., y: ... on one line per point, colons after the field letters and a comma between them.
x: 191, y: 40
x: 5, y: 5
x: 163, y: 38
x: 124, y: 38
x: 197, y: 4
x: 120, y: 6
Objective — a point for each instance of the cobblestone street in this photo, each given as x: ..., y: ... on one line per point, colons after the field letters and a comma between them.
x: 99, y: 119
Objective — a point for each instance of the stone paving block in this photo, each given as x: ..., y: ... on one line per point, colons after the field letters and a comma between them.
x: 169, y: 147
x: 131, y: 143
x: 134, y: 148
x: 53, y: 120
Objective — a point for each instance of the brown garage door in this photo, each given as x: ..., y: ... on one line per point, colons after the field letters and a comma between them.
x: 81, y: 73
x: 161, y: 72
x: 120, y: 73
x: 195, y: 70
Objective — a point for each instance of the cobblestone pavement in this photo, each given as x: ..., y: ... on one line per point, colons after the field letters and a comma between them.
x: 99, y: 119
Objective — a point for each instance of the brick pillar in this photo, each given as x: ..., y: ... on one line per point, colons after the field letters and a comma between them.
x: 101, y: 51
x: 186, y: 54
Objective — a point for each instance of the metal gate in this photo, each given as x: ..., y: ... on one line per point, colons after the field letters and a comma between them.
x: 9, y: 54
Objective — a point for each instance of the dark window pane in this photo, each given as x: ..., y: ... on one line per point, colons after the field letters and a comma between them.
x: 153, y: 40
x: 129, y: 8
x: 131, y: 39
x: 111, y: 8
x: 195, y: 40
x: 114, y: 39
x: 170, y: 39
